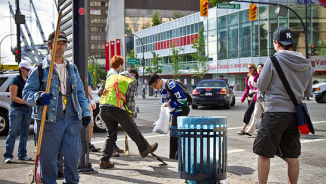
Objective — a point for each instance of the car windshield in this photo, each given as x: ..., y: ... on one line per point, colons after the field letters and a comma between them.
x: 212, y: 84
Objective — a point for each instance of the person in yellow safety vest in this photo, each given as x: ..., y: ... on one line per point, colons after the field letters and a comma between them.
x: 117, y: 105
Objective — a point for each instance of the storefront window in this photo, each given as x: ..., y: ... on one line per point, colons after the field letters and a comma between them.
x: 212, y: 24
x: 263, y: 37
x: 222, y: 38
x: 255, y: 39
x: 245, y: 34
x: 272, y: 26
x: 233, y: 36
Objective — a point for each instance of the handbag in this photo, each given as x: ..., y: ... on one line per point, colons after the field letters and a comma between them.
x: 304, y: 122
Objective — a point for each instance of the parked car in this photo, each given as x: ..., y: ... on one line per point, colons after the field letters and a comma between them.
x: 319, y: 92
x: 99, y: 125
x: 213, y: 92
x: 5, y: 101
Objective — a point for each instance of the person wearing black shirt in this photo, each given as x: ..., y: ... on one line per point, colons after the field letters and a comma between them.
x: 19, y: 116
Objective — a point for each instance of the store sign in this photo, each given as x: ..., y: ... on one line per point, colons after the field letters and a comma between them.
x: 318, y: 62
x: 305, y: 1
x: 231, y: 66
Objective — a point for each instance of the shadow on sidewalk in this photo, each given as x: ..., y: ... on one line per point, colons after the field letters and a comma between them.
x: 240, y: 170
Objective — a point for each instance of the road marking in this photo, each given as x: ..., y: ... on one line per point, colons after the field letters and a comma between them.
x: 151, y: 136
x: 232, y: 128
x: 318, y: 122
x: 236, y: 151
x: 314, y: 140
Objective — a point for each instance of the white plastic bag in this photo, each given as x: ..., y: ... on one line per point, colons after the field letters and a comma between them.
x: 162, y: 125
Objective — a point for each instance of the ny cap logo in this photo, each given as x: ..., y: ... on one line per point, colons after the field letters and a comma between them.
x: 288, y: 35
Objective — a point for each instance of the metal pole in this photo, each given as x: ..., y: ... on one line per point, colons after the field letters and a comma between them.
x: 306, y: 31
x: 143, y: 63
x: 18, y: 32
x: 2, y: 40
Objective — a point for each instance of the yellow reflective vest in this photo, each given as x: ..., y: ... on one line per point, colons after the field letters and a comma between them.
x: 116, y: 87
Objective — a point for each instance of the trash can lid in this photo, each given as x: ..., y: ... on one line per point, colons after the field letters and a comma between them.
x: 201, y: 122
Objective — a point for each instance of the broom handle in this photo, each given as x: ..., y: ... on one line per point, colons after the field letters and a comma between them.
x: 48, y: 85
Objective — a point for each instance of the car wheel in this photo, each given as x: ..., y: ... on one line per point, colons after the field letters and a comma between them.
x: 318, y: 100
x: 227, y: 105
x: 4, y: 123
x: 99, y: 125
x: 194, y: 106
x: 323, y: 98
x: 233, y: 101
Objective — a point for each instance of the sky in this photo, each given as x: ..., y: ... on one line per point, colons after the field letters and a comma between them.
x: 47, y: 15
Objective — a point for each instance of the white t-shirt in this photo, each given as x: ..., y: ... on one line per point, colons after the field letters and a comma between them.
x: 62, y: 72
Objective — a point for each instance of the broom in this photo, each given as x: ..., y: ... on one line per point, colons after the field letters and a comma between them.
x: 33, y: 177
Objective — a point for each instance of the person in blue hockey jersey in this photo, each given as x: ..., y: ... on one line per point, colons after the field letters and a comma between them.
x: 173, y: 96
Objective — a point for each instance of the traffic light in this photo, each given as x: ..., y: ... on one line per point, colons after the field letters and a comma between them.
x: 252, y: 11
x: 204, y: 8
x: 313, y: 49
x: 17, y: 56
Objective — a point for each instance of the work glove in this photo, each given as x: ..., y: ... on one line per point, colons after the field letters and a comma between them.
x: 44, y: 99
x: 86, y: 120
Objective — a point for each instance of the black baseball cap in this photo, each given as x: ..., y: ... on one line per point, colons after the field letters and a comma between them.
x: 62, y: 37
x: 284, y: 36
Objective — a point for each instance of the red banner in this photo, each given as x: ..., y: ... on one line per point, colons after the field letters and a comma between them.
x: 112, y: 50
x: 118, y: 47
x: 107, y: 56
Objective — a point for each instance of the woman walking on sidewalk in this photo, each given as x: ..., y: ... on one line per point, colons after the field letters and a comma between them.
x: 19, y: 116
x: 249, y: 93
x: 259, y: 107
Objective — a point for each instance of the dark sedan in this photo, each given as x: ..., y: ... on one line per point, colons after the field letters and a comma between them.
x: 213, y: 92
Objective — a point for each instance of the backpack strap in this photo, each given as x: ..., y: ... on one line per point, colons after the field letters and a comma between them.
x: 40, y: 75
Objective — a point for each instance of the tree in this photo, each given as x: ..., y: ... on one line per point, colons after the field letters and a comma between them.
x: 177, y: 15
x: 96, y: 72
x: 131, y: 54
x: 176, y: 61
x: 155, y: 19
x: 214, y: 2
x: 156, y: 65
x: 202, y: 63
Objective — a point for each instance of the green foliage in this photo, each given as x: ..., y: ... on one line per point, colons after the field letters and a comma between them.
x: 176, y: 60
x: 202, y: 63
x: 155, y: 19
x: 95, y: 69
x: 127, y: 28
x: 214, y: 2
x: 131, y: 54
x: 156, y: 64
x: 177, y: 15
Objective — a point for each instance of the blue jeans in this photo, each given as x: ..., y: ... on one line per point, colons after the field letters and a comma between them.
x: 62, y: 136
x: 19, y: 121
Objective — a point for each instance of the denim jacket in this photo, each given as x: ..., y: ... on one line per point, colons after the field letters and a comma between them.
x: 31, y: 91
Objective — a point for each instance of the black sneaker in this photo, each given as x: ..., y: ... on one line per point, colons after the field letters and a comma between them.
x: 92, y: 148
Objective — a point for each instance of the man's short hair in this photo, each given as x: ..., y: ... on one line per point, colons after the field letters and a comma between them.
x: 133, y: 71
x: 116, y: 61
x: 152, y: 78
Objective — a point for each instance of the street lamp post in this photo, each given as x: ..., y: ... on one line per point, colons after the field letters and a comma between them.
x: 2, y: 40
x: 143, y: 63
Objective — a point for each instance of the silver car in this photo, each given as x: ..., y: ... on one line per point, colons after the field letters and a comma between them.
x: 5, y: 101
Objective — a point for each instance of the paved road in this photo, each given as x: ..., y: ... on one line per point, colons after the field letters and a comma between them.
x: 242, y: 163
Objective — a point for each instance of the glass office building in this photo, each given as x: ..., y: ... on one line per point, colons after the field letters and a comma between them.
x: 232, y: 41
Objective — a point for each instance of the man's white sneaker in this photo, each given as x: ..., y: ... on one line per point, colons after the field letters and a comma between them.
x: 8, y: 160
x: 25, y: 158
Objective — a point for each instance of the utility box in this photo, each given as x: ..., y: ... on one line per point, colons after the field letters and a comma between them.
x: 202, y: 151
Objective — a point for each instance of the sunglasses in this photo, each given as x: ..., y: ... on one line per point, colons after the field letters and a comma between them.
x: 251, y: 68
x: 26, y: 69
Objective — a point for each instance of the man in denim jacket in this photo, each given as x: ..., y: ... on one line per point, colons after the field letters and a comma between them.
x: 67, y: 112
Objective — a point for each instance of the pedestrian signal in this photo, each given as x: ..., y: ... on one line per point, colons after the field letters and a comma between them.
x: 313, y: 49
x: 252, y: 11
x: 204, y: 8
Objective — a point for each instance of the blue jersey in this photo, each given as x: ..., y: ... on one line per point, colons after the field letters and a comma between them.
x: 177, y: 99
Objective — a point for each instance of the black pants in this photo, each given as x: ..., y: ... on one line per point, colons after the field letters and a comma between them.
x: 174, y: 140
x: 112, y: 116
x: 249, y: 111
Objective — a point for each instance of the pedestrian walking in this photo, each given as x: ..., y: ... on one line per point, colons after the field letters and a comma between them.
x: 117, y: 106
x: 259, y: 106
x: 19, y: 116
x: 250, y: 95
x: 173, y: 96
x: 278, y: 133
x: 67, y: 112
